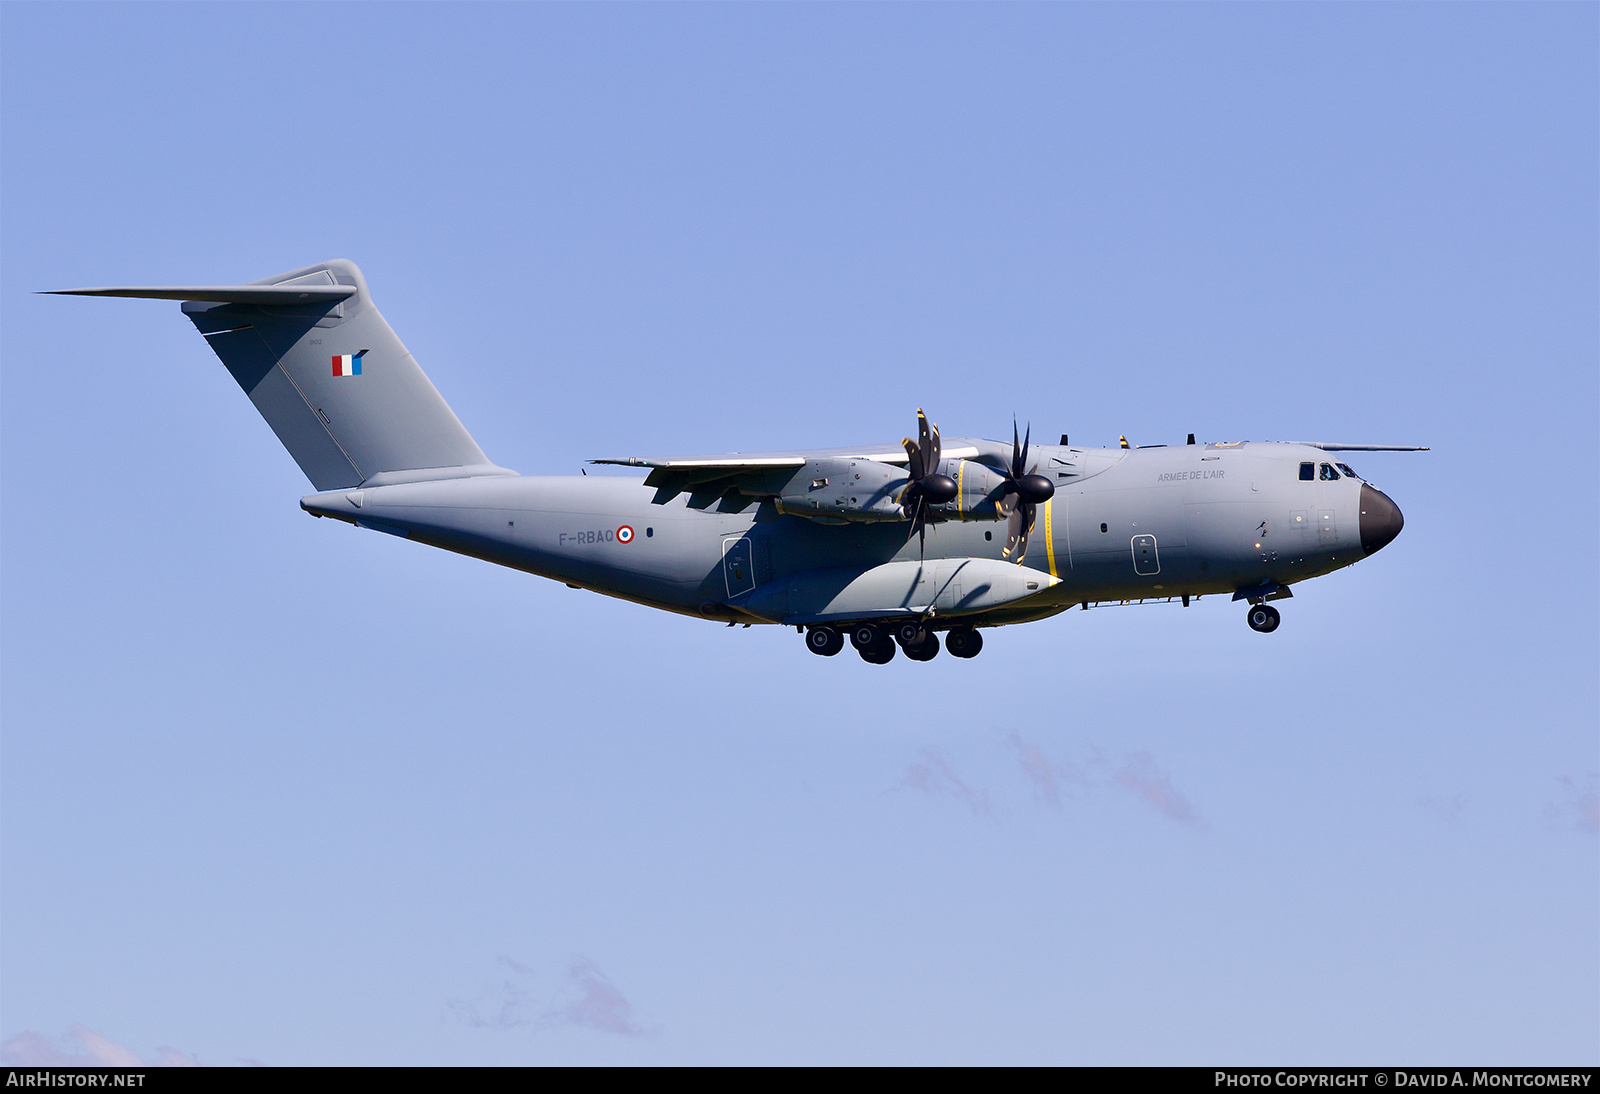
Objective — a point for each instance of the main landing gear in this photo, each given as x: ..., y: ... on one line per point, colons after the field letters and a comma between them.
x: 963, y: 642
x: 1264, y: 618
x: 824, y: 641
x: 918, y: 641
x: 874, y: 646
x: 877, y: 644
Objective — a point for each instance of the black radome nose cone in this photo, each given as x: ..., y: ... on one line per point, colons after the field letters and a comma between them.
x: 1380, y: 519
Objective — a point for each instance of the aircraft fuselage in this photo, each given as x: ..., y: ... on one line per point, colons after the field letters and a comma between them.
x: 1181, y: 521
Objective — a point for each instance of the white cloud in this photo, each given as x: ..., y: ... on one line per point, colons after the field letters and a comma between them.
x: 585, y: 997
x: 507, y: 1005
x: 1447, y: 810
x: 1053, y: 781
x: 1040, y: 772
x: 599, y: 1005
x: 1136, y: 773
x: 1581, y: 810
x: 935, y: 776
x: 1141, y: 776
x: 81, y: 1046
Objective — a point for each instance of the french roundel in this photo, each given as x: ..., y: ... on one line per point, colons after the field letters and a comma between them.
x: 625, y: 534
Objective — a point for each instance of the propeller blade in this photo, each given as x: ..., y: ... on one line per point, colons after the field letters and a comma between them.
x: 1013, y: 532
x: 1019, y: 523
x: 931, y: 456
x: 914, y: 467
x: 1028, y: 512
x: 919, y: 525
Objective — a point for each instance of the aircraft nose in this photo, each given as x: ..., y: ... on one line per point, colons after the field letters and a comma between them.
x: 1380, y: 519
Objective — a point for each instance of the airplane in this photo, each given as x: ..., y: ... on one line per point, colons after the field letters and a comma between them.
x: 888, y: 546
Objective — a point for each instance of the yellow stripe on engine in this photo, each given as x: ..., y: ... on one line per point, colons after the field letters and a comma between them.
x: 961, y: 477
x: 1049, y: 537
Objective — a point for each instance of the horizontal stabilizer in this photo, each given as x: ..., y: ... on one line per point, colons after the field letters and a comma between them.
x: 328, y: 374
x: 1328, y: 446
x: 268, y: 295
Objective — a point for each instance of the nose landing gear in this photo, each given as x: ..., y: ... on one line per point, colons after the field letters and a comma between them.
x: 1263, y: 618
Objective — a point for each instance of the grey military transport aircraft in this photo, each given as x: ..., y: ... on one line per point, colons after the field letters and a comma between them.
x: 885, y: 546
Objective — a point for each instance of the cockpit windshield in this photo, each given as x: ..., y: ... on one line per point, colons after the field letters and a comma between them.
x: 1346, y: 469
x: 1327, y: 474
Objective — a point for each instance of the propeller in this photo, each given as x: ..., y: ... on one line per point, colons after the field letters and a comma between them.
x: 1024, y: 491
x: 926, y: 486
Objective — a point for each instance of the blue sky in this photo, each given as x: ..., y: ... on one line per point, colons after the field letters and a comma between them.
x: 278, y: 790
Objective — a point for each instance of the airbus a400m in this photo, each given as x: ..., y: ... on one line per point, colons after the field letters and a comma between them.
x: 887, y: 546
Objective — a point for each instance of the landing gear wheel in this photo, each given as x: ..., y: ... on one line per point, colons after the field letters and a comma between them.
x: 926, y: 650
x: 866, y: 636
x: 1264, y: 618
x: 881, y: 654
x: 824, y: 641
x: 910, y: 633
x: 963, y: 642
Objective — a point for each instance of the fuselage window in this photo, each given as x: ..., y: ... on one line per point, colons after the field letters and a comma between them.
x: 1102, y: 527
x: 1308, y: 471
x: 1346, y: 469
x: 1329, y: 474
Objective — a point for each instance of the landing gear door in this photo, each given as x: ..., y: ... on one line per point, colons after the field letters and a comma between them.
x: 737, y: 565
x: 1146, y: 562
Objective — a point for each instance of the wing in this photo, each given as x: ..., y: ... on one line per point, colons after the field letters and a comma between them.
x: 736, y: 461
x: 753, y: 474
x: 1329, y: 446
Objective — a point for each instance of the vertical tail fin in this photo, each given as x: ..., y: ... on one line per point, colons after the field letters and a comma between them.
x: 328, y: 374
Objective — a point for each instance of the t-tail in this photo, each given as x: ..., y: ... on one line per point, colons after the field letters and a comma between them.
x: 331, y: 378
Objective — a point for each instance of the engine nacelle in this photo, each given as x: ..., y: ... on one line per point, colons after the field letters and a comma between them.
x: 843, y: 490
x: 979, y: 491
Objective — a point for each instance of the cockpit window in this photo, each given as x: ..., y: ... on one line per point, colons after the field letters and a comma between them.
x: 1308, y: 472
x: 1346, y: 469
x: 1328, y: 474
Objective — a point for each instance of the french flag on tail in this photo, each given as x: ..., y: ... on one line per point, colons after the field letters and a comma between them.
x: 348, y: 364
